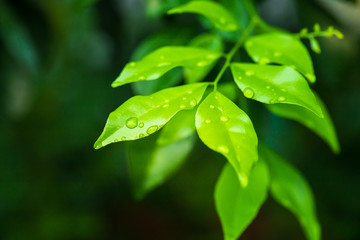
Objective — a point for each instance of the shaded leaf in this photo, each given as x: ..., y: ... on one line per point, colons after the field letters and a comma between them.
x: 214, y: 12
x: 207, y: 41
x: 321, y: 126
x: 141, y: 116
x: 238, y: 206
x: 291, y: 190
x: 151, y: 164
x: 226, y: 129
x: 274, y: 84
x: 283, y: 49
x: 157, y: 63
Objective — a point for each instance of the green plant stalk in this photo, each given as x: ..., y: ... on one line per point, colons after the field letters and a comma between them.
x: 232, y: 52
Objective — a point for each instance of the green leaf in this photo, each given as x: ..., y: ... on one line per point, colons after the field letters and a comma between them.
x: 206, y: 41
x: 226, y: 129
x: 141, y: 116
x: 238, y: 206
x: 157, y: 63
x: 321, y: 126
x: 283, y: 49
x: 171, y: 36
x: 291, y: 190
x: 228, y: 90
x: 315, y: 46
x: 181, y: 126
x: 151, y: 164
x: 274, y: 84
x: 214, y: 12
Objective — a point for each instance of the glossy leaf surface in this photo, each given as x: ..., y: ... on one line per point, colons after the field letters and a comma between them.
x: 157, y: 63
x: 141, y: 116
x: 150, y: 163
x: 226, y: 129
x: 206, y: 41
x: 291, y: 190
x: 321, y: 126
x: 214, y: 12
x: 274, y: 84
x: 238, y: 206
x: 169, y: 37
x: 283, y: 49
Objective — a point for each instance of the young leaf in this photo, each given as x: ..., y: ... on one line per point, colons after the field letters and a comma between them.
x: 141, y: 116
x: 157, y: 63
x: 283, y: 49
x: 214, y: 12
x: 274, y: 84
x: 322, y: 126
x: 237, y: 206
x: 291, y: 190
x: 206, y: 41
x: 225, y: 128
x: 171, y: 36
x: 315, y: 46
x: 150, y: 164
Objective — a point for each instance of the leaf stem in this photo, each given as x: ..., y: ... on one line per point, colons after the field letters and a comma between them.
x: 232, y: 52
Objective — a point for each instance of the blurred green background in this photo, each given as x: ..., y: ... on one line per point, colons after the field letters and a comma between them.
x: 57, y: 61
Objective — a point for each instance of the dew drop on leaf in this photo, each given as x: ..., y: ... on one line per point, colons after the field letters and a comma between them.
x: 281, y: 99
x: 141, y: 125
x: 277, y: 54
x: 152, y: 129
x: 123, y: 138
x: 264, y: 60
x: 182, y: 106
x: 224, y: 118
x: 212, y: 106
x: 249, y: 73
x: 132, y: 64
x: 142, y: 78
x: 141, y: 135
x: 132, y: 122
x: 223, y: 149
x: 193, y: 103
x: 249, y: 92
x: 202, y: 63
x: 207, y: 121
x: 165, y: 105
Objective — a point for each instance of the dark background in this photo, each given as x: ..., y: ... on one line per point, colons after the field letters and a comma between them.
x: 57, y: 61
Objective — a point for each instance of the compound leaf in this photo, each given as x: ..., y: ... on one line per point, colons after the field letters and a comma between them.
x: 283, y: 49
x: 206, y: 41
x: 238, y: 206
x: 226, y: 129
x: 157, y: 63
x: 150, y: 163
x: 321, y: 126
x: 141, y: 116
x: 274, y: 84
x: 291, y: 190
x: 214, y: 12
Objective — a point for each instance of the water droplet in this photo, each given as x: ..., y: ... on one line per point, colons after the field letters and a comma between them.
x: 202, y: 63
x: 141, y: 125
x: 142, y: 78
x: 189, y: 92
x: 163, y: 64
x: 182, y: 106
x: 116, y: 140
x: 224, y: 118
x: 212, y: 106
x: 211, y: 56
x: 268, y: 87
x: 223, y: 149
x: 123, y: 138
x: 222, y: 20
x: 152, y: 129
x: 193, y: 103
x: 272, y: 101
x: 166, y: 100
x: 207, y: 121
x: 284, y: 90
x: 311, y: 77
x: 154, y: 76
x: 277, y: 54
x: 165, y: 105
x: 141, y: 135
x: 264, y: 61
x: 239, y: 77
x: 220, y: 109
x: 249, y: 73
x: 184, y: 98
x: 132, y: 64
x: 132, y: 122
x: 249, y: 93
x: 281, y: 99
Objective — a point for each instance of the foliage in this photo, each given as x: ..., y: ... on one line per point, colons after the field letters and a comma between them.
x: 168, y: 117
